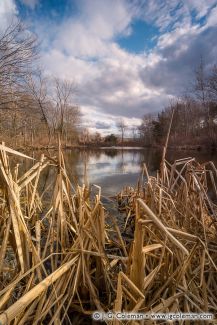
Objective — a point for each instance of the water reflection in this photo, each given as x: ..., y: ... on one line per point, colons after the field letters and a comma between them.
x: 111, y: 168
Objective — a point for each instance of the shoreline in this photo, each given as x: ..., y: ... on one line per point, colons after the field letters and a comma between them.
x: 103, y: 147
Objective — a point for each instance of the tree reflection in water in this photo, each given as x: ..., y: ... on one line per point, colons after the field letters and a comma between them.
x: 111, y: 168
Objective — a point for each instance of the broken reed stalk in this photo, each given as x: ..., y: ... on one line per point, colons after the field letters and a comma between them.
x: 35, y: 292
x: 165, y: 147
x: 65, y: 256
x: 138, y: 258
x: 160, y: 225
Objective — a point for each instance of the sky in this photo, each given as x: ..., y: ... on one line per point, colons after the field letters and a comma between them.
x: 127, y: 58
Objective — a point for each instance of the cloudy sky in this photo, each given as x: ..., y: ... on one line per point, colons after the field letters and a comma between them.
x: 127, y: 57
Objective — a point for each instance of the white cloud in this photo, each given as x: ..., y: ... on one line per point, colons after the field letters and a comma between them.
x: 8, y: 12
x: 202, y: 7
x: 104, y: 122
x: 30, y: 3
x: 212, y: 18
x: 164, y: 13
x: 172, y: 14
x: 89, y: 34
x: 170, y: 38
x: 68, y: 67
x: 104, y: 19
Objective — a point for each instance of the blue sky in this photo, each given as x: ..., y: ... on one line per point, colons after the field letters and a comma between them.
x: 126, y: 57
x: 143, y: 37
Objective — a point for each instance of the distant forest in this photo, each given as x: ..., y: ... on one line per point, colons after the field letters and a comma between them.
x: 195, y: 116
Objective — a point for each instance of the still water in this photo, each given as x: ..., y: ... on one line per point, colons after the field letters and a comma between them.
x: 112, y: 169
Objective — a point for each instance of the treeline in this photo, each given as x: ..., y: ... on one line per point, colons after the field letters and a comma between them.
x: 194, y: 119
x: 34, y: 110
x: 110, y: 140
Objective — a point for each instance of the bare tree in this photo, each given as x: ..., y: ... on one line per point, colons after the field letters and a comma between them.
x: 134, y: 132
x: 24, y: 96
x: 146, y: 128
x: 36, y: 86
x: 85, y: 136
x: 202, y: 93
x: 212, y: 84
x: 201, y: 83
x: 97, y: 138
x: 18, y: 48
x: 121, y: 125
x: 72, y: 122
x: 65, y: 111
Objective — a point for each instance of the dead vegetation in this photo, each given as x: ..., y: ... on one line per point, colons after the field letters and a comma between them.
x: 62, y: 259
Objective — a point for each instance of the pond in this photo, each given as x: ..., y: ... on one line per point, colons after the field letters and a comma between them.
x: 113, y: 168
